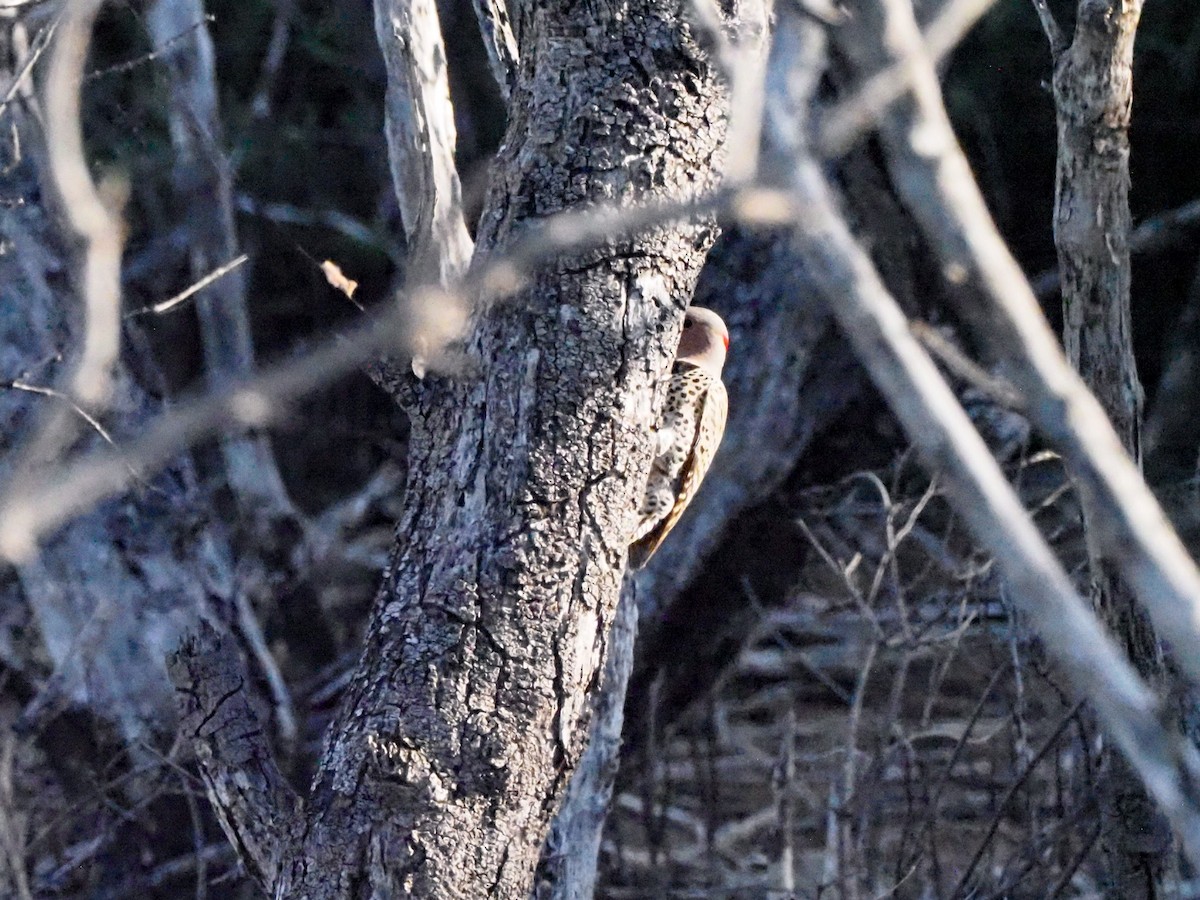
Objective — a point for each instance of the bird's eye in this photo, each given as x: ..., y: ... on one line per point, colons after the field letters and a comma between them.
x: 687, y: 323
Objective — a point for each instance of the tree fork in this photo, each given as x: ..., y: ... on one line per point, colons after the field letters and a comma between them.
x: 469, y: 707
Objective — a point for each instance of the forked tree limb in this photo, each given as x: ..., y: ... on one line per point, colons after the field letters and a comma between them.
x: 467, y: 711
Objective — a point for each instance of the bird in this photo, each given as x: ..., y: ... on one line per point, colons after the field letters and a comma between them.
x: 689, y: 432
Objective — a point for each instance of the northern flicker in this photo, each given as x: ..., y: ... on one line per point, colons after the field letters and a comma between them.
x: 693, y: 420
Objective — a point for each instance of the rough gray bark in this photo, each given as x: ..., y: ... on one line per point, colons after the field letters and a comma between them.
x: 234, y: 760
x: 468, y: 710
x: 787, y: 379
x: 1093, y: 93
x: 571, y: 856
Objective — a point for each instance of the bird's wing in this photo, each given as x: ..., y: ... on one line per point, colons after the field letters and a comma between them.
x: 708, y: 434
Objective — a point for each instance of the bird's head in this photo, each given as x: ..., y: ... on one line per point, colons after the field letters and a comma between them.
x: 704, y: 341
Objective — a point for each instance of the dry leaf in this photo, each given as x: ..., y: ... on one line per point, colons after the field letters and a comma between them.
x: 336, y: 279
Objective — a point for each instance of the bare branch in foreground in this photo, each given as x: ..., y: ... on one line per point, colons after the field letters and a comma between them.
x: 858, y: 113
x: 743, y: 62
x: 88, y: 212
x: 949, y: 444
x: 46, y: 500
x: 938, y: 426
x: 937, y: 186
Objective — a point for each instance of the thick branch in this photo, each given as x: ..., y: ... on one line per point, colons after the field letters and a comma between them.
x: 421, y: 136
x: 257, y: 808
x: 469, y: 709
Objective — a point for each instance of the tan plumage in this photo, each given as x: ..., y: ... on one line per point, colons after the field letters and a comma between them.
x: 693, y: 422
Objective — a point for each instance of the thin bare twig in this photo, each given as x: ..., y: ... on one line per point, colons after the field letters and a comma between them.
x: 40, y: 43
x: 18, y: 385
x: 1016, y: 783
x: 39, y: 504
x: 936, y: 183
x: 965, y: 368
x: 937, y: 425
x: 160, y: 50
x: 281, y: 30
x: 333, y: 219
x: 186, y: 293
x: 1054, y: 33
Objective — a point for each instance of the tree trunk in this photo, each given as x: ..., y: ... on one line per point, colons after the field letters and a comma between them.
x: 1093, y: 93
x: 468, y: 711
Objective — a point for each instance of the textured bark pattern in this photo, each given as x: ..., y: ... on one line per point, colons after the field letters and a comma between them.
x: 570, y: 859
x: 1093, y: 93
x: 421, y: 137
x: 469, y: 708
x: 219, y: 717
